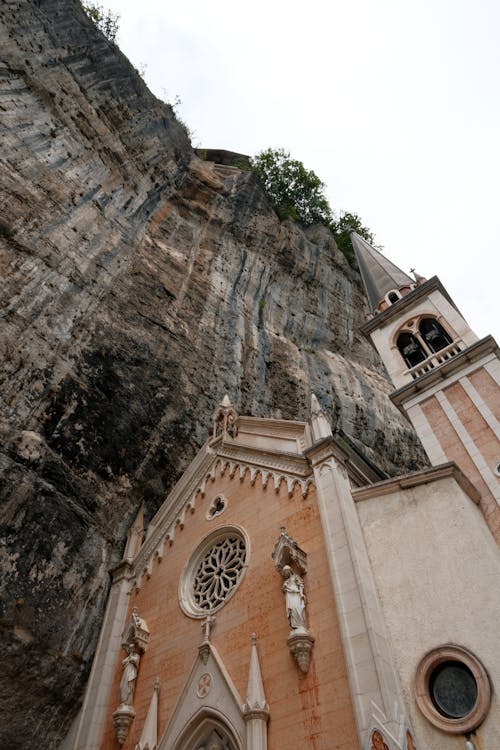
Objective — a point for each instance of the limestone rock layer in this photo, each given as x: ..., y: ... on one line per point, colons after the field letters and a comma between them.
x: 139, y: 284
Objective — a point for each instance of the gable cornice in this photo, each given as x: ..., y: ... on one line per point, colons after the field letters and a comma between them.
x: 290, y: 463
x: 291, y: 468
x: 425, y: 476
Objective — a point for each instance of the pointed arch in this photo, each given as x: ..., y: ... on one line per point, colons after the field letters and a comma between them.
x: 433, y: 334
x: 393, y: 296
x: 206, y: 729
x: 410, y: 349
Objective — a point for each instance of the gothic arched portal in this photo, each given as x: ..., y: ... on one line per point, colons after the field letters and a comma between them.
x: 208, y: 732
x: 215, y: 739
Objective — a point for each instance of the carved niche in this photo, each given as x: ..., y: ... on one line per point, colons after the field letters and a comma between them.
x: 288, y: 552
x: 288, y: 559
x: 134, y: 642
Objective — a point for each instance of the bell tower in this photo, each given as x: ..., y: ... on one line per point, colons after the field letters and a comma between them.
x: 446, y: 378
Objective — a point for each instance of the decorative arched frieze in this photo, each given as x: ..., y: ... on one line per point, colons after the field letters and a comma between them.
x: 160, y: 549
x: 191, y: 506
x: 239, y: 470
x: 179, y: 521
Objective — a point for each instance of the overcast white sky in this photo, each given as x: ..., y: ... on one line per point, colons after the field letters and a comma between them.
x: 393, y: 103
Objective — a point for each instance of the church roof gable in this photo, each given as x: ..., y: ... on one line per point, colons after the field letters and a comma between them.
x: 208, y: 692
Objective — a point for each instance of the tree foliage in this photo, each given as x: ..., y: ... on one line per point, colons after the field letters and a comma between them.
x: 105, y: 20
x: 296, y: 192
x: 341, y: 229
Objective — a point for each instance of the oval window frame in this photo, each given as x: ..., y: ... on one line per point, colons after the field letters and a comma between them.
x: 425, y: 670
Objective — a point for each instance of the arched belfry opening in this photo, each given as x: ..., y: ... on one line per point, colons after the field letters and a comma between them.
x: 411, y: 349
x: 423, y: 338
x: 433, y: 334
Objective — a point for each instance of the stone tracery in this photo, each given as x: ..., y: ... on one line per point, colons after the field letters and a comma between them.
x: 218, y: 572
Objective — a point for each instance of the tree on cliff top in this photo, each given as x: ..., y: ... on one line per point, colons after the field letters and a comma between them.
x: 105, y: 20
x: 341, y: 229
x: 296, y: 192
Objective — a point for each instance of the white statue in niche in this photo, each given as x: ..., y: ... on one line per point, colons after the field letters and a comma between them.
x: 295, y: 598
x: 130, y: 669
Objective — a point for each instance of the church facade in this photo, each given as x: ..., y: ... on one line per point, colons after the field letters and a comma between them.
x: 288, y: 594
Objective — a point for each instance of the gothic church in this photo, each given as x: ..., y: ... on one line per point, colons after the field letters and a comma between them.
x: 288, y: 594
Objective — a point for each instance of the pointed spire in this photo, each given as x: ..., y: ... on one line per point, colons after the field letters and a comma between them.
x: 379, y: 275
x: 256, y: 700
x: 225, y: 420
x: 418, y: 278
x: 320, y: 425
x: 315, y: 407
x: 135, y: 536
x: 149, y: 735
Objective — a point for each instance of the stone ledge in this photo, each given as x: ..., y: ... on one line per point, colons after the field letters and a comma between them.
x: 414, y: 480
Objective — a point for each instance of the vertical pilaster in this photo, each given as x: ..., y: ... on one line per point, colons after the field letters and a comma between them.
x: 96, y: 701
x: 375, y: 690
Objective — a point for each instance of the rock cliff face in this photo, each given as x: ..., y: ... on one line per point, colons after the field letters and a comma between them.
x: 140, y: 284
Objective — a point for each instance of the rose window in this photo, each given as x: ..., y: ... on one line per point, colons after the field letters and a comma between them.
x: 218, y: 572
x: 214, y: 571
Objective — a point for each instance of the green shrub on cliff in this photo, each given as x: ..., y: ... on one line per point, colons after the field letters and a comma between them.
x: 342, y: 226
x: 298, y: 193
x: 105, y: 20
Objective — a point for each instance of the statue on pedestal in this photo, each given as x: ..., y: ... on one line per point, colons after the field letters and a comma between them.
x: 300, y: 640
x: 295, y: 599
x: 134, y: 641
x: 130, y: 669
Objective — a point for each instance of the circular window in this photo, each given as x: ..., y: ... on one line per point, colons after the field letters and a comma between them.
x: 214, y: 571
x: 452, y: 689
